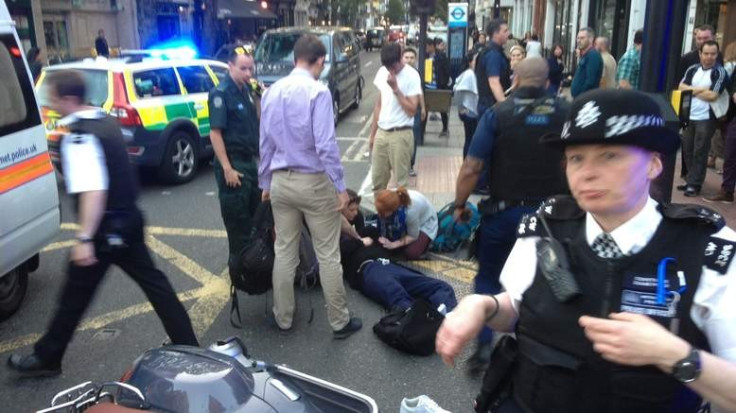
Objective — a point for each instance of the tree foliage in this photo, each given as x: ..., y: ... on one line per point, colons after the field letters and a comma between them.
x: 395, y: 13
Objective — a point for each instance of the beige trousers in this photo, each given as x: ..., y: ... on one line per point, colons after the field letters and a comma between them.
x: 392, y: 152
x: 296, y: 196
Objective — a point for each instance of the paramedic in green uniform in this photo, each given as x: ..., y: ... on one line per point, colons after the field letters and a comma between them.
x: 234, y: 135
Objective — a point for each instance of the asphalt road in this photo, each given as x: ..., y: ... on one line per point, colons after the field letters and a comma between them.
x: 187, y: 238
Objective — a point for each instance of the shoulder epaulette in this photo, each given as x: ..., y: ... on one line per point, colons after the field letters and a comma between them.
x: 693, y: 212
x: 559, y: 208
x: 719, y: 253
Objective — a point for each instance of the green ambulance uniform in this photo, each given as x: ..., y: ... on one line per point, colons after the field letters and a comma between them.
x: 233, y: 111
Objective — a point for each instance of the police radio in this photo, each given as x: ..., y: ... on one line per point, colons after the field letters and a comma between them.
x: 555, y: 267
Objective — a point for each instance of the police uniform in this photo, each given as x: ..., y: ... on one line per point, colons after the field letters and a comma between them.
x: 233, y: 111
x: 522, y: 173
x: 94, y: 158
x: 492, y: 61
x: 672, y: 263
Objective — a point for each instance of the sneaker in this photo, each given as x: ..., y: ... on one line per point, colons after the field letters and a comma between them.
x: 421, y: 404
x: 412, y: 172
x: 722, y: 196
x: 444, y: 134
x: 273, y: 322
x: 351, y: 327
x: 692, y: 191
x: 32, y: 366
x: 682, y: 187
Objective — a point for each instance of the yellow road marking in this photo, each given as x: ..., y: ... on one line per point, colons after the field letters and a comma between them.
x: 58, y: 245
x: 185, y: 232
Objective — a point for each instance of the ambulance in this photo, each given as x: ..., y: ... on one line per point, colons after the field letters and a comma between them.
x: 29, y: 200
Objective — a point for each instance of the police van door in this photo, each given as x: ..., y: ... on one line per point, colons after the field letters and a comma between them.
x: 29, y: 201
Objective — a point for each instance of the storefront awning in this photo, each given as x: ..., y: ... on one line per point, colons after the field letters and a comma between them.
x: 242, y: 9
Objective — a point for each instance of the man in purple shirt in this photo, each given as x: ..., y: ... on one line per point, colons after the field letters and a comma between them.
x: 300, y: 172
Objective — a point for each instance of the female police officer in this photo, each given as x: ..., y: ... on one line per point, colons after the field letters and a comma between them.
x: 655, y: 282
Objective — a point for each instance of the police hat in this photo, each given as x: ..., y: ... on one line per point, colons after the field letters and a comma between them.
x: 616, y: 117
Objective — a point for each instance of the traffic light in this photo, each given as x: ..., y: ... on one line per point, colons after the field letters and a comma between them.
x: 422, y: 7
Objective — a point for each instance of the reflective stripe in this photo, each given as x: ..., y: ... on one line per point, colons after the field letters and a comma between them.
x: 25, y: 171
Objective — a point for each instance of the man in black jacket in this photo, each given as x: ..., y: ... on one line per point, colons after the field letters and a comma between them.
x: 440, y: 78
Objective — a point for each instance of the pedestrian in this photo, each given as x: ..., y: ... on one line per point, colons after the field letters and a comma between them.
x: 608, y: 78
x: 100, y: 178
x: 409, y: 57
x: 407, y: 222
x: 556, y: 68
x: 632, y: 341
x: 533, y: 47
x: 493, y: 69
x: 466, y: 93
x: 34, y: 62
x: 300, y: 172
x: 481, y: 43
x: 706, y: 80
x: 234, y: 136
x: 440, y: 78
x: 101, y: 44
x: 702, y: 34
x: 391, y: 140
x: 629, y: 67
x: 590, y: 66
x: 725, y: 194
x: 517, y: 55
x: 521, y: 173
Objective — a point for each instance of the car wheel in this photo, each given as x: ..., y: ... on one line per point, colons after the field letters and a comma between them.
x: 358, y: 94
x: 336, y: 108
x: 180, y: 159
x: 13, y: 288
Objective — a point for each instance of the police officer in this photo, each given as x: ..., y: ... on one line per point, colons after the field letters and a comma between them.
x: 101, y: 179
x: 654, y: 326
x: 234, y: 135
x: 521, y: 173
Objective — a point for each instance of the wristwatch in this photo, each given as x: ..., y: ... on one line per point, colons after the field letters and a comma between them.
x: 84, y: 239
x: 687, y: 370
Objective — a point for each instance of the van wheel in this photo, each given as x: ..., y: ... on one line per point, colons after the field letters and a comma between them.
x: 336, y: 108
x: 180, y: 159
x: 13, y: 288
x: 358, y: 94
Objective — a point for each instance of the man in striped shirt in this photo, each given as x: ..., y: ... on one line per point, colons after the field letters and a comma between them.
x: 706, y: 80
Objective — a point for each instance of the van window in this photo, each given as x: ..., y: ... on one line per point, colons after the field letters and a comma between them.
x: 18, y: 108
x: 154, y: 83
x: 195, y: 79
x: 97, y: 88
x: 279, y: 47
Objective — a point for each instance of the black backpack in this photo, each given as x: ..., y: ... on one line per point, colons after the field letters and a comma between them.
x: 253, y: 273
x: 412, y: 330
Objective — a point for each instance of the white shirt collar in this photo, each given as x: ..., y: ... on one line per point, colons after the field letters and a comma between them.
x: 632, y: 236
x: 95, y: 113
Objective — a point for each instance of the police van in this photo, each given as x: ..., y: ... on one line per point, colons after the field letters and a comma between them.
x: 160, y: 101
x: 29, y: 200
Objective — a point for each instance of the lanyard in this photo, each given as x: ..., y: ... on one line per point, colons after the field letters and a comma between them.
x: 661, y: 277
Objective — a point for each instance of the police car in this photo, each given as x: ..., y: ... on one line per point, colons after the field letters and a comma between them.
x: 161, y: 103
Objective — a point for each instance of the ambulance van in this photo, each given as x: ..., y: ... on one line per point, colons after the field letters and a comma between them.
x: 29, y: 200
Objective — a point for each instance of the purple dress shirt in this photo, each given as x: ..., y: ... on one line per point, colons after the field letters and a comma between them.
x: 297, y: 130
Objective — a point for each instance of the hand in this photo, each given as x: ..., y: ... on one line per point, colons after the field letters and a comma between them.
x: 394, y: 245
x: 265, y: 196
x: 371, y: 141
x: 634, y: 340
x: 342, y: 201
x: 83, y: 254
x: 232, y: 177
x: 424, y: 114
x: 733, y: 98
x: 459, y: 327
x: 367, y: 241
x: 391, y: 80
x: 460, y: 214
x: 383, y: 241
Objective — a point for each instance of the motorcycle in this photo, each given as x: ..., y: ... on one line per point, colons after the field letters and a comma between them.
x: 221, y: 378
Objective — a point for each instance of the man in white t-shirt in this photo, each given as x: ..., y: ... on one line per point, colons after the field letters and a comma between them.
x: 706, y: 80
x: 392, y: 140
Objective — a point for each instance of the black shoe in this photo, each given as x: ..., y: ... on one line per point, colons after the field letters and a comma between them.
x: 32, y: 366
x: 692, y: 191
x: 682, y: 187
x: 272, y: 321
x: 480, y: 360
x: 482, y: 191
x: 352, y: 326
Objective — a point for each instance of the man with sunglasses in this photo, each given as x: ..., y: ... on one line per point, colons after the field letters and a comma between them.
x: 234, y: 136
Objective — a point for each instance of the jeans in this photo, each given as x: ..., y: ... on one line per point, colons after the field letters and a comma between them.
x: 729, y: 162
x: 497, y: 237
x: 695, y: 148
x: 469, y: 123
x: 394, y: 286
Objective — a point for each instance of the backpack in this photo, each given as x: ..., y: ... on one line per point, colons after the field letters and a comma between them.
x: 452, y: 235
x: 307, y: 272
x: 412, y: 330
x: 253, y: 273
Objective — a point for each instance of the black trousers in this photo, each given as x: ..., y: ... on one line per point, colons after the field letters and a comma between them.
x: 82, y: 282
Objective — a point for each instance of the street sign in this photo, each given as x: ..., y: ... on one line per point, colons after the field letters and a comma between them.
x: 457, y: 14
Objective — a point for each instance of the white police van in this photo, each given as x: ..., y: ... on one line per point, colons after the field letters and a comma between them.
x: 29, y: 200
